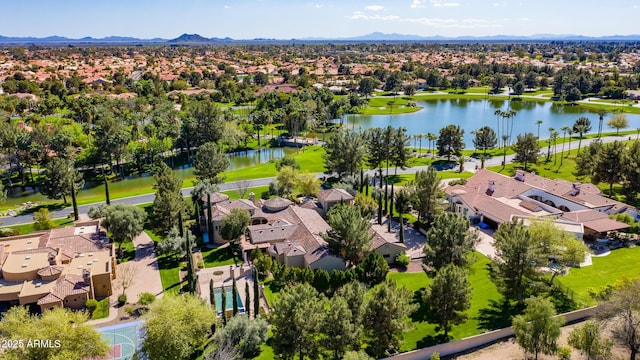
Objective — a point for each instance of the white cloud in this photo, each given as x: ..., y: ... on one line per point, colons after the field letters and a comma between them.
x: 440, y: 3
x: 374, y: 7
x: 468, y: 23
x: 317, y: 5
x: 359, y: 15
x: 417, y: 4
x: 227, y: 7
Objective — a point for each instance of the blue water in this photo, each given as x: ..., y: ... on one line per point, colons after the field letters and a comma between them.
x: 229, y: 300
x: 473, y: 114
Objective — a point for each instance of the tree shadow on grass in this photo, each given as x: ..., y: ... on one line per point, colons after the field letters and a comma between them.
x: 50, y: 207
x: 498, y: 315
x: 422, y: 313
x: 431, y: 340
x: 217, y: 257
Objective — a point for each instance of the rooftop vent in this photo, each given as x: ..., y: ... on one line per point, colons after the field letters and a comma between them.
x: 27, y: 257
x: 90, y: 254
x: 38, y: 284
x: 29, y: 241
x: 80, y: 266
x: 24, y: 265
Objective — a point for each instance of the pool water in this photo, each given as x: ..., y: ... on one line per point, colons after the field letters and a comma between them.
x: 229, y: 300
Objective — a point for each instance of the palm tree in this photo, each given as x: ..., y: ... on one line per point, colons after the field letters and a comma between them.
x: 431, y: 137
x: 420, y: 136
x: 601, y: 114
x: 565, y: 129
x: 504, y: 155
x: 498, y: 114
x: 554, y: 138
x: 550, y: 140
x: 461, y: 161
x: 580, y: 129
x: 510, y: 115
x: 538, y: 122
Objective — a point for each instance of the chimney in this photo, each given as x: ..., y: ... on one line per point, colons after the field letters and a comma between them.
x: 252, y: 197
x: 576, y: 189
x: 520, y: 175
x: 52, y: 259
x: 86, y: 277
x: 492, y: 186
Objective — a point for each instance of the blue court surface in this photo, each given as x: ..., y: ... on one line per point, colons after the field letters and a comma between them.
x: 124, y: 339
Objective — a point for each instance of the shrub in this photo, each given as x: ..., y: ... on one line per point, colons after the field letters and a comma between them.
x: 122, y: 299
x: 91, y: 305
x: 130, y: 310
x: 4, y: 232
x: 564, y: 353
x: 146, y: 298
x: 42, y: 220
x: 458, y: 182
x: 403, y: 260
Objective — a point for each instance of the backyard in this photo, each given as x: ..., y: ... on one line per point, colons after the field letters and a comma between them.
x: 606, y: 270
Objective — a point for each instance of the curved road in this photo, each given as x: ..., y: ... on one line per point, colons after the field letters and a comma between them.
x: 470, y: 164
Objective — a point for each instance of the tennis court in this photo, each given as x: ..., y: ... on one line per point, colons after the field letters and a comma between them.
x: 124, y: 339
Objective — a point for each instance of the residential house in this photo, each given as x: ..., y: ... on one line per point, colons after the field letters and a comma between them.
x: 386, y: 244
x: 289, y: 233
x: 493, y: 198
x: 58, y: 268
x: 328, y: 198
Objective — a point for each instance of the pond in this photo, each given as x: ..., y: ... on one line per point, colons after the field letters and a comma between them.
x: 474, y: 114
x: 237, y: 160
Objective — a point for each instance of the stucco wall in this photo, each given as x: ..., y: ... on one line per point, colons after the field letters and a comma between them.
x: 473, y: 342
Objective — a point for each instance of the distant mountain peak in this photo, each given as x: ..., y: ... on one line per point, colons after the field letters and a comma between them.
x: 189, y: 38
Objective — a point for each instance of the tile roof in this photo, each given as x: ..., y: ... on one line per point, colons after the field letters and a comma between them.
x: 382, y: 237
x: 334, y: 195
x: 65, y: 286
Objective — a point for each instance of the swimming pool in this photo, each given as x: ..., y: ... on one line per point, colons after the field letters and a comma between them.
x: 229, y: 300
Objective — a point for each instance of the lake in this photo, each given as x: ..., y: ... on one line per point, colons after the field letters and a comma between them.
x: 474, y: 114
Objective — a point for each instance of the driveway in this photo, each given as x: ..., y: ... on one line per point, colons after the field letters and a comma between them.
x: 147, y: 274
x: 485, y: 246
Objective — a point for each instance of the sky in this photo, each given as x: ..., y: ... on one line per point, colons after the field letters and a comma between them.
x: 288, y: 19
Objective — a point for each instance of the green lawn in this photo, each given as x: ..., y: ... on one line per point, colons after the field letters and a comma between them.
x: 480, y: 314
x: 271, y: 292
x: 216, y: 257
x: 28, y: 228
x: 605, y: 270
x: 388, y: 105
x: 170, y: 273
x: 102, y: 311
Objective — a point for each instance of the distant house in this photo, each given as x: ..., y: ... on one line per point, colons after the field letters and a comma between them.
x: 330, y: 197
x: 59, y: 268
x: 493, y: 199
x: 283, y: 88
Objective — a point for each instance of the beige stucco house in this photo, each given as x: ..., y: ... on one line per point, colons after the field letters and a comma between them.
x: 58, y: 268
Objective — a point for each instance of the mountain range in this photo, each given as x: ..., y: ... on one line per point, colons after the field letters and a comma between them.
x: 195, y: 39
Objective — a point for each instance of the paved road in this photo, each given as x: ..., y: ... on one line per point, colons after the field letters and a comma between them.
x: 469, y: 165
